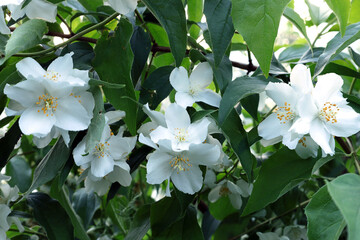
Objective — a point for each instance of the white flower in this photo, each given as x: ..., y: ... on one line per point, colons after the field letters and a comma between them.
x: 179, y: 129
x: 157, y: 119
x: 123, y: 6
x: 109, y: 152
x: 39, y: 9
x: 229, y: 189
x: 193, y: 89
x: 181, y: 167
x: 324, y: 113
x: 286, y: 97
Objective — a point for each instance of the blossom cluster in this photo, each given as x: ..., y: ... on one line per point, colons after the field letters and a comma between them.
x: 307, y: 117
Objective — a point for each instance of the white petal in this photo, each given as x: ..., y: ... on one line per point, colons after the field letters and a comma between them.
x: 300, y: 79
x: 271, y: 127
x: 184, y: 99
x: 65, y: 135
x: 3, y: 27
x: 4, y: 212
x: 26, y: 92
x: 158, y: 167
x: 29, y: 67
x: 80, y: 156
x: 14, y: 108
x: 347, y: 123
x: 291, y: 139
x: 6, y: 2
x: 210, y: 178
x: 307, y: 147
x: 321, y: 136
x: 161, y: 133
x: 155, y: 116
x: 147, y: 141
x: 326, y: 86
x: 209, y: 97
x: 102, y: 166
x: 114, y: 116
x: 120, y: 147
x: 214, y: 194
x: 42, y: 142
x: 245, y: 187
x: 123, y: 6
x: 198, y: 131
x: 86, y: 99
x: 201, y: 76
x: 188, y: 181
x: 179, y: 80
x: 281, y: 93
x: 204, y: 154
x: 34, y: 122
x: 71, y: 115
x: 272, y: 141
x: 100, y: 187
x: 120, y: 175
x: 16, y: 11
x: 147, y: 128
x: 62, y: 65
x: 42, y: 10
x: 176, y: 117
x: 235, y: 200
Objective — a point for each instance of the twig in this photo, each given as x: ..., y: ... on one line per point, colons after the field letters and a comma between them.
x: 64, y: 21
x: 143, y: 23
x: 227, y: 173
x: 352, y: 86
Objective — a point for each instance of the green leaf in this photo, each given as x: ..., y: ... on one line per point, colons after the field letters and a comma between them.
x: 317, y: 14
x: 238, y: 89
x: 95, y: 82
x: 141, y: 46
x: 220, y: 26
x: 171, y: 15
x: 83, y: 54
x: 140, y: 225
x: 340, y: 70
x: 116, y: 69
x: 8, y: 143
x: 293, y: 17
x: 25, y: 36
x: 355, y: 56
x: 341, y: 9
x: 324, y: 218
x: 354, y: 12
x: 293, y: 53
x: 345, y: 192
x: 258, y: 22
x: 222, y: 208
x: 336, y: 45
x: 278, y: 174
x: 9, y: 75
x: 195, y: 13
x: 50, y: 214
x: 20, y: 172
x: 91, y: 5
x: 85, y: 205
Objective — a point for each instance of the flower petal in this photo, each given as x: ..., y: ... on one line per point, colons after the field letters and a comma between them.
x: 3, y: 27
x: 179, y: 80
x: 347, y: 123
x: 321, y: 136
x: 34, y: 122
x: 26, y: 92
x: 79, y: 154
x: 201, y: 76
x: 63, y: 65
x: 161, y: 133
x: 209, y: 97
x: 176, y: 117
x: 16, y: 11
x: 102, y: 166
x: 326, y: 86
x: 204, y: 154
x: 300, y: 79
x: 14, y: 108
x: 184, y: 99
x: 41, y: 9
x: 155, y: 116
x: 236, y: 200
x: 100, y: 187
x: 71, y: 115
x: 214, y: 194
x: 281, y: 93
x: 188, y: 181
x: 120, y: 175
x: 120, y: 148
x: 158, y: 167
x: 123, y: 6
x: 4, y: 212
x: 113, y: 116
x: 198, y: 131
x: 86, y: 99
x: 271, y: 127
x: 147, y: 141
x: 307, y: 147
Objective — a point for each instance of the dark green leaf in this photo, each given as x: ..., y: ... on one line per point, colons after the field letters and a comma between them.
x: 113, y: 63
x: 140, y: 225
x: 231, y: 226
x: 336, y: 45
x: 220, y: 26
x: 171, y: 15
x: 91, y: 5
x: 8, y: 75
x: 297, y: 21
x: 209, y: 225
x: 341, y: 9
x: 355, y: 56
x: 293, y: 53
x: 20, y: 172
x: 258, y: 22
x: 95, y: 82
x: 49, y: 214
x: 8, y: 143
x: 340, y: 70
x: 222, y: 208
x: 278, y: 174
x: 324, y: 218
x: 345, y: 192
x: 83, y: 54
x: 85, y: 204
x: 250, y: 104
x: 141, y: 46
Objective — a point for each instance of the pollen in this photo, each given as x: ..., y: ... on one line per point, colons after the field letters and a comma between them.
x: 52, y: 75
x: 100, y: 150
x: 180, y: 163
x: 224, y: 191
x: 47, y: 103
x: 284, y: 113
x: 302, y: 141
x: 181, y: 134
x: 328, y: 112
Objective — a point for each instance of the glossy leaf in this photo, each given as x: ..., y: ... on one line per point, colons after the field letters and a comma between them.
x: 321, y: 225
x: 83, y: 54
x: 258, y: 22
x: 116, y: 68
x: 85, y: 205
x: 8, y: 142
x: 297, y: 21
x: 20, y: 172
x: 220, y: 26
x: 341, y: 9
x: 355, y: 56
x: 354, y: 12
x: 141, y: 46
x: 140, y: 225
x: 171, y: 15
x: 345, y: 192
x: 336, y: 45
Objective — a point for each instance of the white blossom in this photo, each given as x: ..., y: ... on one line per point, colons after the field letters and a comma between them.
x: 123, y: 6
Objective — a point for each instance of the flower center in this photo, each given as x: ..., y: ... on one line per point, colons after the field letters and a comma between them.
x: 181, y: 134
x: 180, y: 163
x: 302, y: 141
x: 224, y: 191
x: 100, y: 150
x: 328, y: 112
x: 285, y: 113
x: 48, y: 103
x: 52, y: 75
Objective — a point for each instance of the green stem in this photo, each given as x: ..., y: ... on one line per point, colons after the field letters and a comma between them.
x: 352, y: 85
x: 73, y: 38
x: 321, y: 32
x: 227, y: 173
x: 28, y: 231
